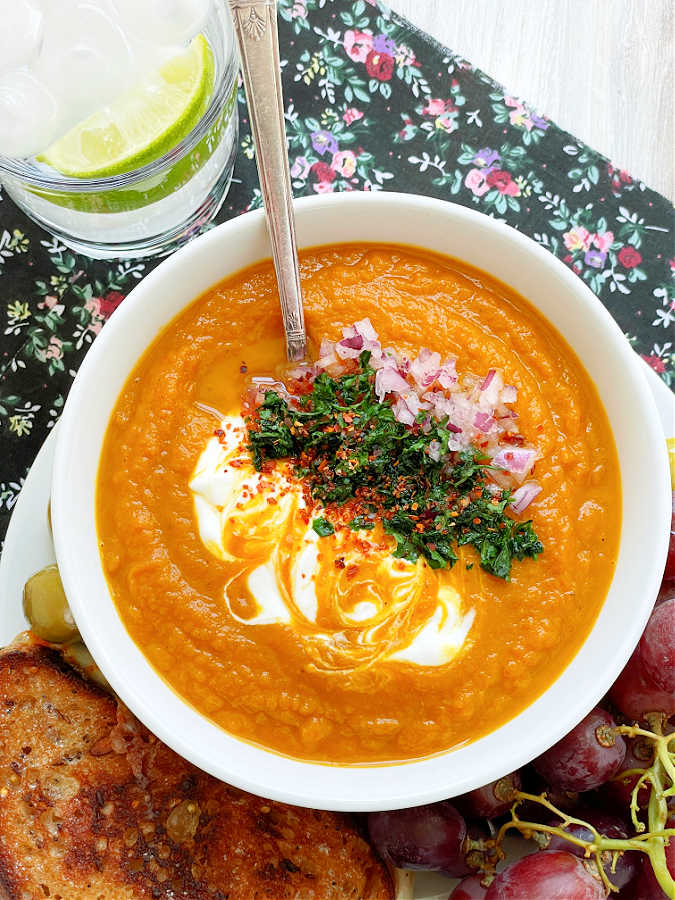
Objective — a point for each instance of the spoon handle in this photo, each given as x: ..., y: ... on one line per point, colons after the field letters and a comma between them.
x: 255, y: 24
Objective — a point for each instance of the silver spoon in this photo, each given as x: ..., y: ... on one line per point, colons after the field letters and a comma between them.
x: 255, y: 24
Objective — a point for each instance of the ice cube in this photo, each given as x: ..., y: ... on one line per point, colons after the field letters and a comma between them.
x: 163, y: 21
x: 86, y: 60
x: 21, y: 28
x: 29, y: 114
x: 64, y: 8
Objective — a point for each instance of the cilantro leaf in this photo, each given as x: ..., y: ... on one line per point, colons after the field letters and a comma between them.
x: 323, y: 527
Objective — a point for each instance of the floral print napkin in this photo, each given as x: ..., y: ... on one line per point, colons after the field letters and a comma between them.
x: 372, y: 104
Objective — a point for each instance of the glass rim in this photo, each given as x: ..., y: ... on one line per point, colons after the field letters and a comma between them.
x: 27, y: 172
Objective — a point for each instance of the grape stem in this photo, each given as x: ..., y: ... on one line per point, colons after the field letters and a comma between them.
x: 652, y: 843
x: 662, y: 767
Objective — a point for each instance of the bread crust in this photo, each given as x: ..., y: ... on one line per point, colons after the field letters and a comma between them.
x: 95, y: 807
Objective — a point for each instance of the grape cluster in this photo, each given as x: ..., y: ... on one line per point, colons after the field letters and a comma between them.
x: 612, y: 827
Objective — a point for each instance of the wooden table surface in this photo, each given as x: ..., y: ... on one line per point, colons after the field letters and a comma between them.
x: 602, y: 69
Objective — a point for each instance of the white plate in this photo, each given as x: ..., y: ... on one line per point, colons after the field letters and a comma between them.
x: 28, y: 547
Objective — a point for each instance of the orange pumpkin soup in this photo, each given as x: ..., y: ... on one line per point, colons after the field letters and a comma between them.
x: 341, y: 644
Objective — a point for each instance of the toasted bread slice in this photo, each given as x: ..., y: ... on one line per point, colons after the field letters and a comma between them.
x: 94, y: 807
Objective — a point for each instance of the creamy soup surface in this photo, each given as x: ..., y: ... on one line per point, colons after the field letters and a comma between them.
x: 327, y: 647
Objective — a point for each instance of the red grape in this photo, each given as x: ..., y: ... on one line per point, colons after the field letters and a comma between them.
x: 586, y: 757
x: 666, y: 591
x: 609, y: 826
x: 636, y: 695
x: 546, y: 875
x: 647, y: 683
x: 492, y: 800
x: 469, y: 888
x: 657, y: 647
x: 424, y: 837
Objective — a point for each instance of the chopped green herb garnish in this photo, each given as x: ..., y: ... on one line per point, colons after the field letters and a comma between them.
x: 323, y: 527
x: 361, y: 463
x: 361, y: 523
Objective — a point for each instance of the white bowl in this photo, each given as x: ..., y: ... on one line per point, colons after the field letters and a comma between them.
x: 578, y: 316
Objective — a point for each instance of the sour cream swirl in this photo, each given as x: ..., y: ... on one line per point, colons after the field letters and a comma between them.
x: 353, y: 604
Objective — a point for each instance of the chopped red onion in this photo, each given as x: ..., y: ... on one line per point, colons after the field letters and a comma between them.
x: 403, y: 363
x: 307, y: 371
x: 425, y: 367
x: 490, y: 390
x: 385, y: 360
x: 346, y: 350
x: 365, y: 329
x: 447, y: 376
x: 353, y: 343
x: 407, y: 406
x: 327, y: 348
x: 440, y: 404
x: 488, y: 379
x: 389, y: 381
x: 524, y: 495
x: 518, y: 460
x: 474, y: 409
x: 402, y: 413
x: 484, y: 422
x: 413, y: 401
x: 357, y: 338
x: 328, y: 359
x: 434, y: 450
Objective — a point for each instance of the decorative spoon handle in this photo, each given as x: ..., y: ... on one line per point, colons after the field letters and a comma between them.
x: 255, y: 24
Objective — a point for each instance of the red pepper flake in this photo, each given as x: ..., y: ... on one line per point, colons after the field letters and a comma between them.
x: 516, y: 439
x: 340, y: 562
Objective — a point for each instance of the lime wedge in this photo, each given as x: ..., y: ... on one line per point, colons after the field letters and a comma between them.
x: 141, y: 125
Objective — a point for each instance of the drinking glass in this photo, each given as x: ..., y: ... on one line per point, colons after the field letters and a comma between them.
x: 155, y: 208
